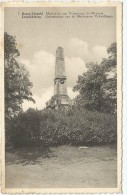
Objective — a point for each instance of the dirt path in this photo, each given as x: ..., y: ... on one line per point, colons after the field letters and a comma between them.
x: 62, y: 167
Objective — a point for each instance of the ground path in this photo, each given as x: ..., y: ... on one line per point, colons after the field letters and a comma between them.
x: 62, y: 167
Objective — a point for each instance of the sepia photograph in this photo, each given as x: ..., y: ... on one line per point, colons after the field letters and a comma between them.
x: 62, y: 97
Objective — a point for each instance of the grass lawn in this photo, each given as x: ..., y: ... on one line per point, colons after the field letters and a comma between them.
x: 62, y: 167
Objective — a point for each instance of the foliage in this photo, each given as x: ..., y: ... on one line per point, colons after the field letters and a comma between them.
x: 91, y: 121
x: 17, y: 84
x: 47, y: 128
x: 98, y: 86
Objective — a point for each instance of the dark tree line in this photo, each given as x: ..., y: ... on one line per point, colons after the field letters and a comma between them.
x: 91, y: 121
x: 17, y: 83
x: 98, y: 86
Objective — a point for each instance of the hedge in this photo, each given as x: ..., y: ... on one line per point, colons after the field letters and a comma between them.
x: 50, y: 128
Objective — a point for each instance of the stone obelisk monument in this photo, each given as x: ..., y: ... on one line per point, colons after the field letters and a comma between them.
x: 60, y: 100
x: 60, y: 85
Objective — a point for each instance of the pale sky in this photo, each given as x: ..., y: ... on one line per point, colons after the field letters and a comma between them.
x: 83, y: 40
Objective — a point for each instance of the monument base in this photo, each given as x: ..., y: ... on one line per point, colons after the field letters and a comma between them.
x: 59, y: 102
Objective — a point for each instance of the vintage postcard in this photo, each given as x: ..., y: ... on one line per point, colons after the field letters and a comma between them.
x: 62, y: 97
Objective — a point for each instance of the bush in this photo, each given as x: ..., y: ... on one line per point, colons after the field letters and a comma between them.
x: 50, y: 128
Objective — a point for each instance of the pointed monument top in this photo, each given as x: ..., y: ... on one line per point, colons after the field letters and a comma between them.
x: 60, y: 53
x: 60, y: 66
x: 60, y: 48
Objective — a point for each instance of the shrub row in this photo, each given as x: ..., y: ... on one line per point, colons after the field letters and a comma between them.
x: 50, y: 128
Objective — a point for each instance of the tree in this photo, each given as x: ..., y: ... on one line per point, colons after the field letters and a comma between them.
x: 90, y: 87
x: 98, y: 86
x: 110, y: 67
x: 17, y: 84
